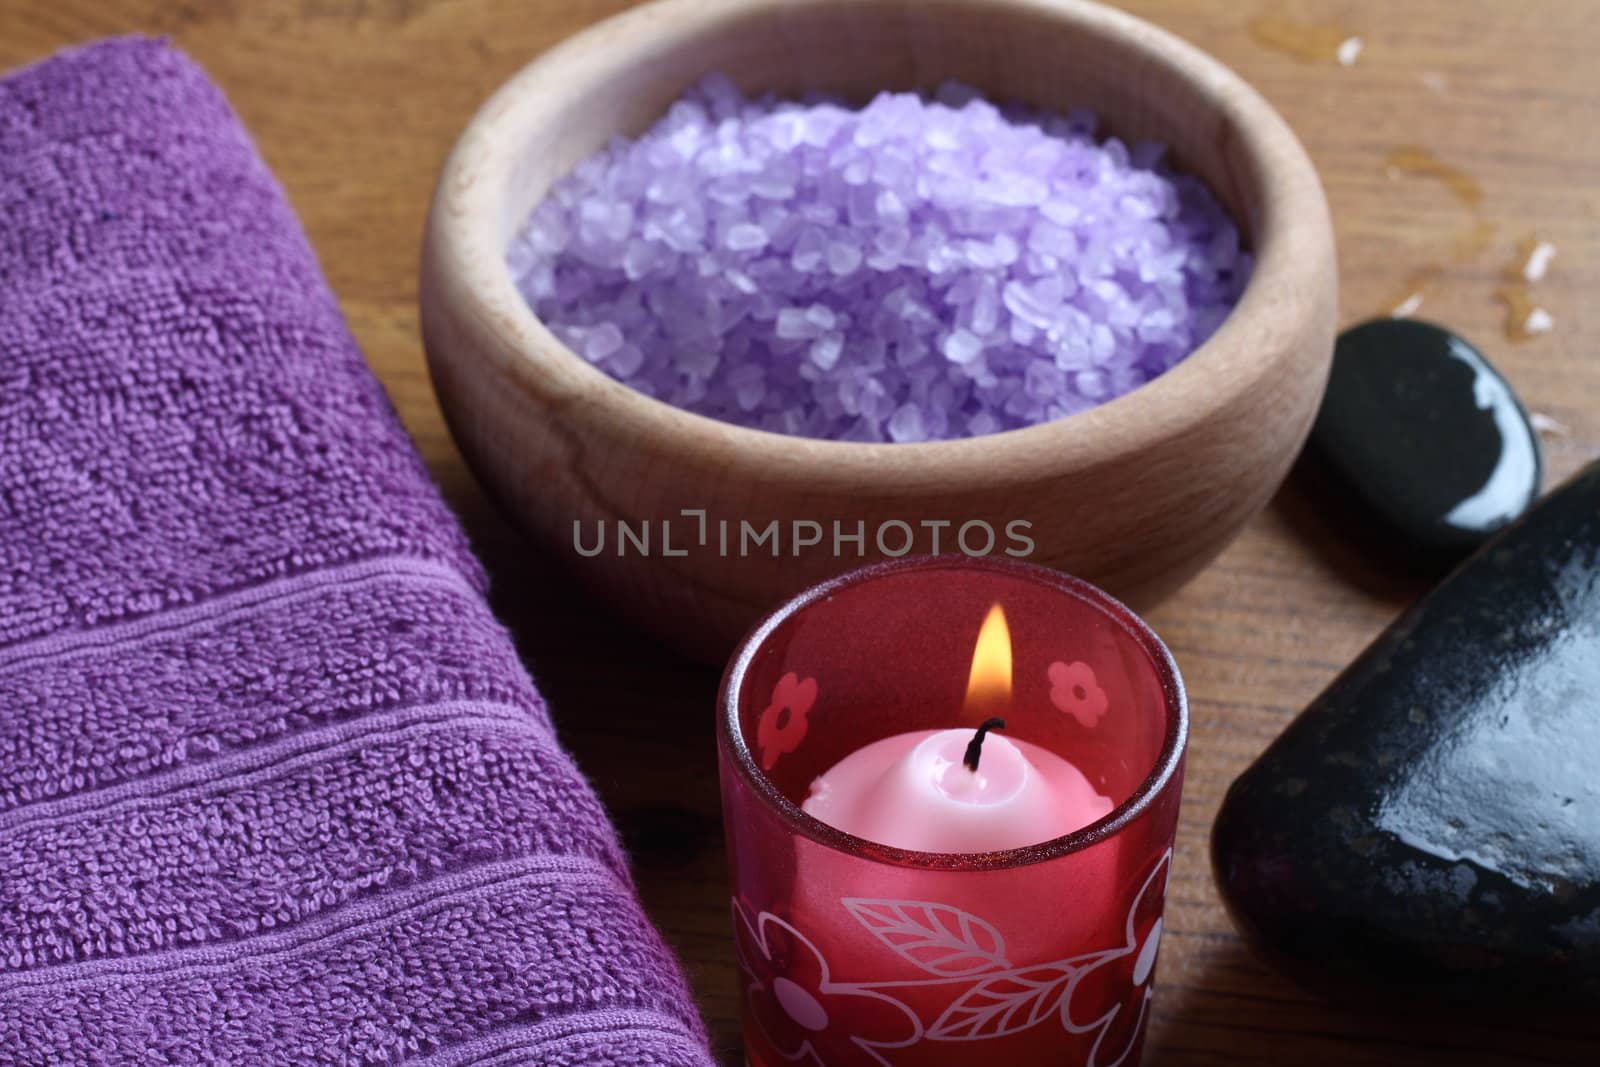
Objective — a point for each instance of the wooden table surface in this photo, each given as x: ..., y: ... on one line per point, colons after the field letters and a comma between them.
x: 355, y: 102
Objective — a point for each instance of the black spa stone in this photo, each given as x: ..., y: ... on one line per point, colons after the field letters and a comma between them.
x: 1426, y: 435
x: 1430, y: 826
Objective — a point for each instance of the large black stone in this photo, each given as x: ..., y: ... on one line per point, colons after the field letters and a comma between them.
x: 1430, y: 825
x: 1420, y: 428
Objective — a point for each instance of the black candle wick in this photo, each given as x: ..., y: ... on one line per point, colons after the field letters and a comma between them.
x: 975, y: 746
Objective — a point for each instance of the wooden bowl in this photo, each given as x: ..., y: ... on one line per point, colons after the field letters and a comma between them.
x: 1136, y: 495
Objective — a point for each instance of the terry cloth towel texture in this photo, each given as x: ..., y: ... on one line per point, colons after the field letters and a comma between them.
x: 274, y: 787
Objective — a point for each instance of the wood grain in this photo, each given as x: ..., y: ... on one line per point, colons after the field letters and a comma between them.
x: 1136, y: 496
x: 355, y: 103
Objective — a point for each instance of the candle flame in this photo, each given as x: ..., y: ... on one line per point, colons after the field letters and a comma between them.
x: 989, y: 684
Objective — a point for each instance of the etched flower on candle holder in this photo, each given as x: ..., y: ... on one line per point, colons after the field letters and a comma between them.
x: 875, y: 925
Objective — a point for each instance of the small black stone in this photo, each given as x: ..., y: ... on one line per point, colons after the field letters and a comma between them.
x: 1420, y: 428
x: 1430, y: 825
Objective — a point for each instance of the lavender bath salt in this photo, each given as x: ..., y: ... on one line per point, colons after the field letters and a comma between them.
x: 918, y: 269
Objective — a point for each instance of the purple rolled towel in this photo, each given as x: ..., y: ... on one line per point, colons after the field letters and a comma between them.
x: 274, y: 787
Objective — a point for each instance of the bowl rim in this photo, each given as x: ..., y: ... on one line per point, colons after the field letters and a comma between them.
x: 1168, y: 762
x: 464, y: 253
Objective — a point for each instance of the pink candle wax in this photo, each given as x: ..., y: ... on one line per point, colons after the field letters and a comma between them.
x: 914, y: 791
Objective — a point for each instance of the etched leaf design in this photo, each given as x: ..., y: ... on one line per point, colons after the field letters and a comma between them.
x: 1004, y: 1003
x: 936, y: 937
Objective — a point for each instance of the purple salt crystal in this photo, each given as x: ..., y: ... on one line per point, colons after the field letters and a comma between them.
x: 843, y: 257
x: 821, y: 317
x: 915, y: 270
x: 602, y: 342
x: 961, y: 346
x: 982, y: 422
x: 985, y: 318
x: 1091, y: 383
x: 1042, y: 380
x: 825, y: 351
x: 808, y: 250
x: 863, y: 430
x: 792, y: 325
x: 626, y: 362
x: 745, y: 237
x: 906, y: 424
x: 876, y: 403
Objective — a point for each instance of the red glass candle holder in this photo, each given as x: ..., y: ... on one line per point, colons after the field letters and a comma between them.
x: 855, y: 952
